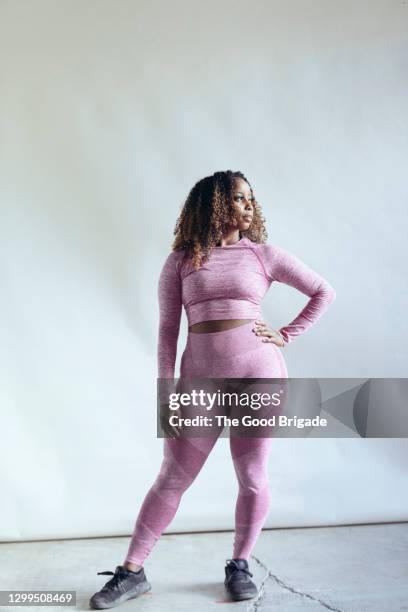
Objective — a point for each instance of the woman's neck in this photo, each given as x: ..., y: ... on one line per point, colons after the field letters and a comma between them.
x: 230, y: 238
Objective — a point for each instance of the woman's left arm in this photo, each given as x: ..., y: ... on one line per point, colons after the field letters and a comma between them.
x: 283, y: 266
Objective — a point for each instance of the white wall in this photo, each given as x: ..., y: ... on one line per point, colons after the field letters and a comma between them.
x: 110, y: 112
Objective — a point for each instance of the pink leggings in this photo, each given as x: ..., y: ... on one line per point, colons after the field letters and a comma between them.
x: 234, y: 353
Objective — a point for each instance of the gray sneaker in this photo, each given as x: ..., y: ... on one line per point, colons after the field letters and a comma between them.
x: 124, y: 585
x: 237, y: 580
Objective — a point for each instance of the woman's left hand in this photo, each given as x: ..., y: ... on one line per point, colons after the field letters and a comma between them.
x: 270, y: 335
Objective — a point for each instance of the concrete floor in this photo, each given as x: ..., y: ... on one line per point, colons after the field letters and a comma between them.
x: 355, y: 568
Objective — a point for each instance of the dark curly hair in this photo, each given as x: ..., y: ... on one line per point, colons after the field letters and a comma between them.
x: 207, y: 213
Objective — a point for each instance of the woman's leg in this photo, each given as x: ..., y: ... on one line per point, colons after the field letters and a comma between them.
x: 250, y: 457
x: 183, y: 459
x: 246, y: 356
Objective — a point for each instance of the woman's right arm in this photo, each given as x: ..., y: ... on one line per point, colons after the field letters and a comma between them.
x: 170, y: 306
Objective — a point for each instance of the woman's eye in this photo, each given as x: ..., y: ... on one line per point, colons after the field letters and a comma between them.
x: 242, y: 197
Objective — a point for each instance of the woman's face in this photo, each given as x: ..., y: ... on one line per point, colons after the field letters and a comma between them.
x: 243, y: 204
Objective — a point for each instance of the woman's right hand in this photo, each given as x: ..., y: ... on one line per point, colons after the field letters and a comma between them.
x: 171, y: 431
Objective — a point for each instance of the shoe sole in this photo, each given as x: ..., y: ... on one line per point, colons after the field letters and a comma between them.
x: 144, y: 588
x: 242, y: 596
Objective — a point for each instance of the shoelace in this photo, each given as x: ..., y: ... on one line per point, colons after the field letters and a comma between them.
x: 232, y: 563
x: 113, y: 582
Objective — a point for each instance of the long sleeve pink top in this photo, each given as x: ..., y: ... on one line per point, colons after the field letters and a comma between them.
x: 231, y: 284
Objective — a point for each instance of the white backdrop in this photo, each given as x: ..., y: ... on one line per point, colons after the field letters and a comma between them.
x: 110, y: 112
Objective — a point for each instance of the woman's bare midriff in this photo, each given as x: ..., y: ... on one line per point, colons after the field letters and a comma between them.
x: 205, y: 327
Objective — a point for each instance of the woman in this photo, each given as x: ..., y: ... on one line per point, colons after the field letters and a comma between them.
x: 220, y: 268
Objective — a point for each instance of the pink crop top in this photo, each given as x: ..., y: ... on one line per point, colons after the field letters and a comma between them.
x: 231, y: 285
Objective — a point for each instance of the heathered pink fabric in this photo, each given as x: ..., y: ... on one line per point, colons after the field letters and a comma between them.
x: 231, y: 285
x: 233, y: 353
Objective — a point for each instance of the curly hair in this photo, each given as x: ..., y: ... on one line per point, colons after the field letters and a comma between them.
x: 208, y: 212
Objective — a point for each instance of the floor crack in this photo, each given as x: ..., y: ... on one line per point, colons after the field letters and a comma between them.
x: 254, y: 606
